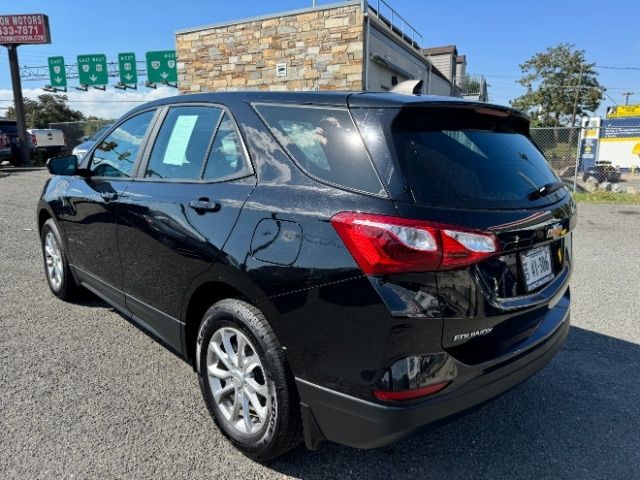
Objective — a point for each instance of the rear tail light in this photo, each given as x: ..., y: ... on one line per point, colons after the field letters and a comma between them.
x: 383, y: 245
x: 34, y: 141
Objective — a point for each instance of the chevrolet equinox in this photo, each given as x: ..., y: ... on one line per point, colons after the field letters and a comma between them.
x: 335, y: 266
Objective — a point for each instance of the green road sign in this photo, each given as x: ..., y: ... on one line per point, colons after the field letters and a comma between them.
x: 127, y: 68
x: 92, y: 69
x: 161, y: 67
x: 57, y: 72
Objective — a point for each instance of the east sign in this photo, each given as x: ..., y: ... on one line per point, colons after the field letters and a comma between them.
x: 57, y: 72
x: 21, y: 29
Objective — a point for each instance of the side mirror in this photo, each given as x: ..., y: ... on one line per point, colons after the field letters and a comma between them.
x: 67, y: 165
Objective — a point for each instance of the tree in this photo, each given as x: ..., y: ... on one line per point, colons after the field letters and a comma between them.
x: 561, y: 86
x: 47, y: 109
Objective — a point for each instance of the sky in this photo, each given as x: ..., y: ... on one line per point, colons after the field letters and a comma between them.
x: 496, y: 35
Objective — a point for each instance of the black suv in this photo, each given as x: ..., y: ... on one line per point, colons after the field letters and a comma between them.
x: 340, y: 266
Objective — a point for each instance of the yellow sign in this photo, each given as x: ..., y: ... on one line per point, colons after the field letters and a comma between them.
x: 622, y: 111
x: 591, y: 133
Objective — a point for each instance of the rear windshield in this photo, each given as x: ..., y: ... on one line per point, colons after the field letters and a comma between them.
x: 458, y: 158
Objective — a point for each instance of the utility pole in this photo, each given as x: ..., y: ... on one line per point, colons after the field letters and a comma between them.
x: 626, y: 96
x: 575, y: 102
x: 18, y: 102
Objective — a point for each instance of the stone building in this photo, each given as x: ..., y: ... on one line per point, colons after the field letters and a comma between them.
x: 341, y: 46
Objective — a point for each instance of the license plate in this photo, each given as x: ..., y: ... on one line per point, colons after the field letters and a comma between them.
x: 537, y: 267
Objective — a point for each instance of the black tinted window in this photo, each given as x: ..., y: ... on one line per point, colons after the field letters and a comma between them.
x: 182, y: 143
x: 226, y: 157
x: 458, y: 158
x: 117, y: 153
x: 9, y: 128
x: 325, y: 143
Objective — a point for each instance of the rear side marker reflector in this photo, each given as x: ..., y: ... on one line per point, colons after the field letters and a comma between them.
x: 389, y: 396
x: 383, y: 245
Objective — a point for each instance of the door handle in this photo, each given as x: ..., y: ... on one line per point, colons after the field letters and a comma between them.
x: 108, y: 196
x: 204, y: 205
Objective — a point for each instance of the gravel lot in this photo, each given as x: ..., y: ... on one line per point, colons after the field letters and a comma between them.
x: 84, y: 394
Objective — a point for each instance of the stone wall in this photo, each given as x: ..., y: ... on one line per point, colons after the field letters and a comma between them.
x: 323, y: 50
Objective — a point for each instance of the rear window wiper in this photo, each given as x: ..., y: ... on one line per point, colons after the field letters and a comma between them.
x: 545, y: 190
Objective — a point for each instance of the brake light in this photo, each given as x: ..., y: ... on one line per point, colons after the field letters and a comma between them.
x: 34, y: 141
x: 392, y: 396
x: 383, y: 244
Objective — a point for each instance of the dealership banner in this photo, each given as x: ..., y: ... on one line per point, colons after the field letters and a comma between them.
x: 620, y: 142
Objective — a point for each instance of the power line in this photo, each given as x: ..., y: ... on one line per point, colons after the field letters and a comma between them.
x: 616, y: 68
x: 609, y: 96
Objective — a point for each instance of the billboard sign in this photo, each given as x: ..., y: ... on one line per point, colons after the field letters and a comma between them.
x: 20, y: 29
x: 57, y: 72
x: 128, y: 68
x: 623, y: 111
x: 92, y: 69
x: 161, y: 67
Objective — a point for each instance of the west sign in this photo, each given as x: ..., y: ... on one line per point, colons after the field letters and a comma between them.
x: 24, y: 29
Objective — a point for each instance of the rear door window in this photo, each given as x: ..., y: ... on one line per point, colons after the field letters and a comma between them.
x: 325, y: 143
x: 226, y: 157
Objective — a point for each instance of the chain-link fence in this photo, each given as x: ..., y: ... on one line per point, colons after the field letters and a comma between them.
x: 77, y: 132
x: 593, y: 157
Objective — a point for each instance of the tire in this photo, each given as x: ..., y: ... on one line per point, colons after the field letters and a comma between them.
x: 56, y: 265
x: 264, y: 388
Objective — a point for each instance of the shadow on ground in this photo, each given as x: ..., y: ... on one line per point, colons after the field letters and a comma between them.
x: 578, y: 418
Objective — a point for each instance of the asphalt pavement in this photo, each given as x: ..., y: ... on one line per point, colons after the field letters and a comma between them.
x: 86, y: 395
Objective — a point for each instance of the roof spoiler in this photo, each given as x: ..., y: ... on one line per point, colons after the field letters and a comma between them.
x: 408, y: 87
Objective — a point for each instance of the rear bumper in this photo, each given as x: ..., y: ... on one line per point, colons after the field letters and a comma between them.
x: 330, y: 415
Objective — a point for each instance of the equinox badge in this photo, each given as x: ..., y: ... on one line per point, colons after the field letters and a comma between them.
x: 463, y: 337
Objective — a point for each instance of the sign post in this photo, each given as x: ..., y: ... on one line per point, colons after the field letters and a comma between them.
x: 128, y: 70
x: 16, y: 30
x: 92, y: 71
x: 161, y: 68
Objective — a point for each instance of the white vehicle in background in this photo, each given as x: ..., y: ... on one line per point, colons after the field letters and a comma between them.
x: 81, y: 150
x: 48, y: 141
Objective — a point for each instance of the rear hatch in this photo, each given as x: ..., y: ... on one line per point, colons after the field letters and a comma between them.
x: 466, y: 167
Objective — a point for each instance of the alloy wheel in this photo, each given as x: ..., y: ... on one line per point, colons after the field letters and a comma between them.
x: 53, y: 260
x: 238, y: 381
